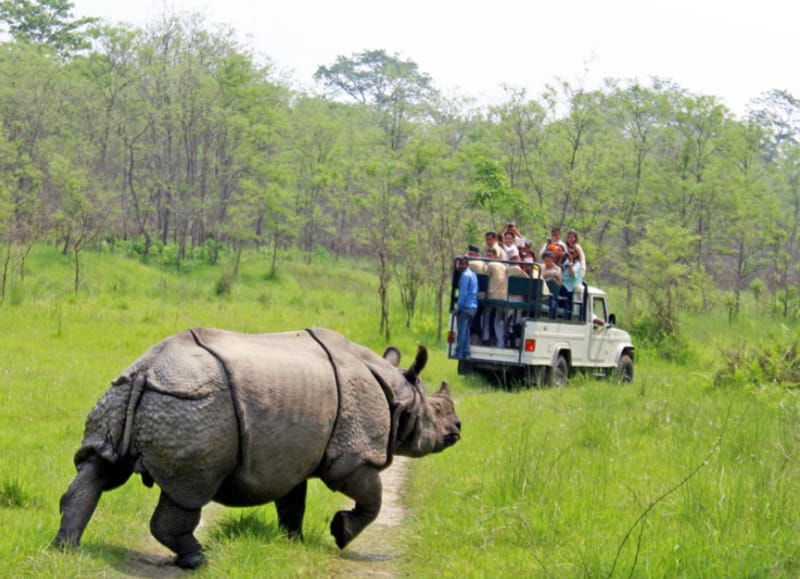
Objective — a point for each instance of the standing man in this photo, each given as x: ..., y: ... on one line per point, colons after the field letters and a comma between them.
x: 492, y: 243
x: 466, y: 306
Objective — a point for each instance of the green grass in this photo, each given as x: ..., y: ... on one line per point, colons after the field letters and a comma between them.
x: 552, y: 481
x: 544, y: 483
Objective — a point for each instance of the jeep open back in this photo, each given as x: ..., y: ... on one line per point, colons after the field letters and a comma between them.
x: 547, y: 339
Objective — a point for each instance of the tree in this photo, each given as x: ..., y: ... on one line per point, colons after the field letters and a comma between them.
x: 662, y: 272
x: 396, y: 88
x: 46, y: 23
x: 83, y: 212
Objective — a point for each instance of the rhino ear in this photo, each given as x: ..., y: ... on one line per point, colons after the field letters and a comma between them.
x: 392, y: 355
x: 444, y: 389
x: 419, y: 363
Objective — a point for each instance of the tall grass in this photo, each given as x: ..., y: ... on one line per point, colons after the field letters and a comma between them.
x: 668, y: 476
x: 665, y: 477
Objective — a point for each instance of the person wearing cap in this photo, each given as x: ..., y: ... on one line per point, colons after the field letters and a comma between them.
x: 466, y: 306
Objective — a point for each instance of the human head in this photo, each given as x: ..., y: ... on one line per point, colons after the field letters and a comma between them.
x: 491, y: 238
x: 555, y: 233
x: 572, y: 237
x: 492, y: 252
x: 548, y: 258
x: 508, y: 238
x: 461, y: 263
x: 473, y: 251
x: 511, y: 225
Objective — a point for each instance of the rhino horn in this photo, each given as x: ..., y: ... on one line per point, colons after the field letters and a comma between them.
x: 392, y: 355
x: 419, y: 364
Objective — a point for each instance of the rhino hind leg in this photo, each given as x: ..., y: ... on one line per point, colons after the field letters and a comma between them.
x: 173, y: 526
x: 291, y: 509
x: 77, y: 505
x: 363, y: 486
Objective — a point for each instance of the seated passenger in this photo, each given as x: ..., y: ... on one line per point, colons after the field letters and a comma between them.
x: 491, y: 242
x: 551, y: 274
x: 530, y: 268
x: 511, y: 227
x: 572, y: 243
x: 526, y: 253
x: 571, y: 278
x: 477, y: 265
x: 515, y: 269
x: 511, y: 249
x: 555, y: 246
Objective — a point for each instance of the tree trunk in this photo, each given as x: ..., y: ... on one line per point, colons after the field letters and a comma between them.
x: 383, y: 292
x: 77, y: 269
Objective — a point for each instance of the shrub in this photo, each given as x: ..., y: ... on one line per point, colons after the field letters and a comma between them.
x: 648, y: 333
x: 225, y: 282
x: 776, y: 361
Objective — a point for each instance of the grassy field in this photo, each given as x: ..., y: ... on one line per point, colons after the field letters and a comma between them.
x: 670, y: 476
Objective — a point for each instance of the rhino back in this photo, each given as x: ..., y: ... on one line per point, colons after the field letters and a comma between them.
x: 287, y: 401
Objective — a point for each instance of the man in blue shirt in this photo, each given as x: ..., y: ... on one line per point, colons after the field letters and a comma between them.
x: 466, y: 306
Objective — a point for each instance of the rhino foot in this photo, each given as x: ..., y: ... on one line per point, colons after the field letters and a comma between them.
x: 341, y: 529
x: 62, y: 543
x: 190, y: 560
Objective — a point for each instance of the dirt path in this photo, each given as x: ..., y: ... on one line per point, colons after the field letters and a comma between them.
x: 375, y: 552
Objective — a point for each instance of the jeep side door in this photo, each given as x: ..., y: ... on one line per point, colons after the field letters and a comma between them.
x: 599, y: 344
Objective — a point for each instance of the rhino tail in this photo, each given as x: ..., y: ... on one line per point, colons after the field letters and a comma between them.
x: 109, y: 426
x: 133, y: 402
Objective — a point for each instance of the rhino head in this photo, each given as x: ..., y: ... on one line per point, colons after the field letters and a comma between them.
x: 426, y: 424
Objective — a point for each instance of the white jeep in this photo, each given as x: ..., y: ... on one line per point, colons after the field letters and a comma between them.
x: 548, y: 339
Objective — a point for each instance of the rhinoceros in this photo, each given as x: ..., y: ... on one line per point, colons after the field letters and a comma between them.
x: 246, y: 419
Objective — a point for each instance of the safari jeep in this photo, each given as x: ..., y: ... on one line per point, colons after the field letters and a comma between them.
x: 546, y: 340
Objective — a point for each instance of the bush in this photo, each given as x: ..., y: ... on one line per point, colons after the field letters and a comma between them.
x: 648, y: 334
x: 772, y: 362
x: 225, y: 282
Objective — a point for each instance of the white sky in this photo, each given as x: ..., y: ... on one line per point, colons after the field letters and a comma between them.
x: 729, y: 49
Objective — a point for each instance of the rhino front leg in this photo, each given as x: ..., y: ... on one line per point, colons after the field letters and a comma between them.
x: 77, y: 505
x: 363, y: 486
x: 173, y: 526
x: 291, y: 509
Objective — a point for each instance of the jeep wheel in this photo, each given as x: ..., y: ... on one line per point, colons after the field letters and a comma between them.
x: 465, y: 368
x: 558, y: 375
x: 623, y: 373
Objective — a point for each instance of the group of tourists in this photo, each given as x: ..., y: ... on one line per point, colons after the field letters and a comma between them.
x: 508, y: 253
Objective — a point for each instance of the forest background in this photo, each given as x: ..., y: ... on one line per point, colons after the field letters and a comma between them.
x: 174, y: 143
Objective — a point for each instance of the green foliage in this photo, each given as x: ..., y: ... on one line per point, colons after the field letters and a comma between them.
x: 46, y: 22
x: 665, y: 271
x: 771, y: 362
x: 649, y: 335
